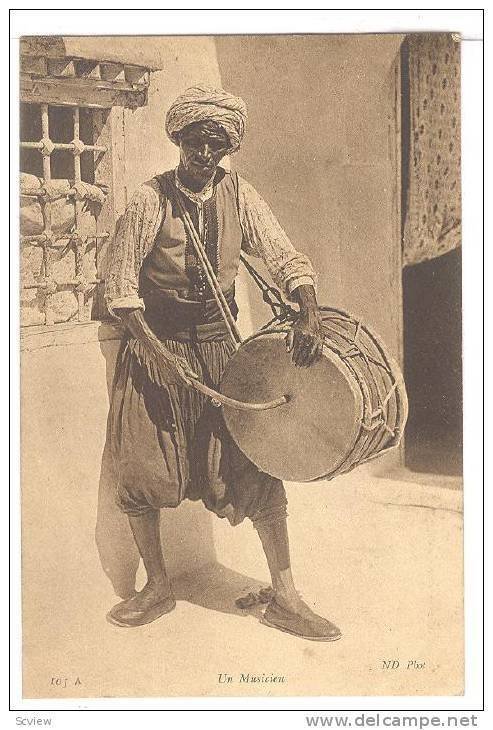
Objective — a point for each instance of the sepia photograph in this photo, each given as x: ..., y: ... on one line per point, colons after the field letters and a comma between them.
x: 241, y: 365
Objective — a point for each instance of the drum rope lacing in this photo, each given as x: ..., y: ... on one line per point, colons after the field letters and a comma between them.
x: 379, y: 416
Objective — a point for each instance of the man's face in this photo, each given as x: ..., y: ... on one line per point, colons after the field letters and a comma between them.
x: 202, y: 146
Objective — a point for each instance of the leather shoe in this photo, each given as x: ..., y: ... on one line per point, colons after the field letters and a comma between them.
x: 123, y: 614
x: 303, y: 623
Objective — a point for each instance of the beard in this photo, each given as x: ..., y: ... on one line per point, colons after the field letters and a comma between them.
x: 195, y: 173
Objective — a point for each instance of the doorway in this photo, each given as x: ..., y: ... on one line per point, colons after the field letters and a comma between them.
x: 433, y: 364
x: 432, y: 338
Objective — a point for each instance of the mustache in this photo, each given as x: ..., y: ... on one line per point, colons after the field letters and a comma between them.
x: 207, y: 164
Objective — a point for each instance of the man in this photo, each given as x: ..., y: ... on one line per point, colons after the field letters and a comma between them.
x: 169, y: 443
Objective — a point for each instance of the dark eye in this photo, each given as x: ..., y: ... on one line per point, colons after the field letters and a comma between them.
x: 197, y: 142
x: 217, y: 144
x: 193, y: 141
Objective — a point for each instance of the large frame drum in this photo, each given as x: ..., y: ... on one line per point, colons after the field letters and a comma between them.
x: 347, y: 408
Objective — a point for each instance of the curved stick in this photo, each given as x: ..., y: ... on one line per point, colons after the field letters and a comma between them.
x: 237, y: 404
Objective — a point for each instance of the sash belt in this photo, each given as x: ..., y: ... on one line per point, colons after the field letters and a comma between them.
x: 171, y: 316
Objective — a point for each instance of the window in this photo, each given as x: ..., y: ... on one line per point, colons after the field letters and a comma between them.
x: 62, y: 130
x: 72, y: 162
x: 60, y: 206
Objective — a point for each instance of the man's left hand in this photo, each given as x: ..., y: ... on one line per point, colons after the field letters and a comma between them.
x: 305, y: 338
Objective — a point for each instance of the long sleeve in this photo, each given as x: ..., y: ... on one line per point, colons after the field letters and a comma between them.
x: 133, y: 240
x: 264, y: 238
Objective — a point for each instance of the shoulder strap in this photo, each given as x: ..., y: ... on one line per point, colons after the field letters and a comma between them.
x: 236, y: 188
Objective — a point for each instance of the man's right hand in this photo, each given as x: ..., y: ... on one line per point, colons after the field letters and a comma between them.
x: 184, y: 370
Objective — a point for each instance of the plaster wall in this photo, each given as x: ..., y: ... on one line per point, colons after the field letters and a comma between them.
x: 322, y: 148
x: 324, y: 158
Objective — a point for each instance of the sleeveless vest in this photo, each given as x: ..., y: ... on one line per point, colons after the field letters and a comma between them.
x: 172, y: 265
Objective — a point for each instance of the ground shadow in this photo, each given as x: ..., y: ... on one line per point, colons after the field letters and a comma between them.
x: 116, y: 547
x: 216, y: 587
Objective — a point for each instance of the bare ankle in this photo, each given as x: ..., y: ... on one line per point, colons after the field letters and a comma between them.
x: 159, y: 582
x: 287, y: 597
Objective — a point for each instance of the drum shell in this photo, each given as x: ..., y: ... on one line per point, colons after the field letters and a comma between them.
x: 349, y: 407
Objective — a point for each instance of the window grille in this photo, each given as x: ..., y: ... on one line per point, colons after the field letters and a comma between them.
x: 72, y: 161
x: 66, y: 259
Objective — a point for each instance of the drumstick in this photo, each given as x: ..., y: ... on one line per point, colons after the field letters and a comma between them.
x: 237, y: 404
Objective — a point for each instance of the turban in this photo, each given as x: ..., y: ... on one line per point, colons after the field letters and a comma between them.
x: 201, y: 103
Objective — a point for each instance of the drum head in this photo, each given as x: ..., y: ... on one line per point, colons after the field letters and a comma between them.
x: 312, y: 434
